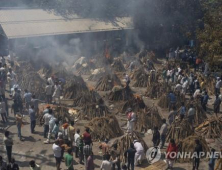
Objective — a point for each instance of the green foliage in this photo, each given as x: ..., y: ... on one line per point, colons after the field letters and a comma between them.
x: 210, y: 37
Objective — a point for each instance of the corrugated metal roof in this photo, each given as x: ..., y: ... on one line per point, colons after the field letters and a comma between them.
x: 36, y: 22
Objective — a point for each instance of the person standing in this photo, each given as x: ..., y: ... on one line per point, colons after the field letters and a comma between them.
x: 217, y: 86
x: 139, y: 152
x: 19, y: 125
x: 51, y: 126
x: 55, y: 130
x: 34, y: 166
x: 81, y: 145
x: 69, y: 160
x: 191, y: 114
x: 57, y: 150
x: 130, y: 156
x: 35, y: 103
x: 205, y: 101
x: 163, y: 132
x: 90, y: 162
x: 27, y: 99
x: 57, y: 92
x: 46, y: 119
x: 3, y: 110
x: 212, y: 159
x: 3, y: 164
x: 32, y: 119
x: 156, y: 137
x: 171, y: 153
x: 106, y: 164
x: 127, y: 79
x: 8, y: 145
x: 71, y: 133
x: 13, y: 165
x: 182, y: 110
x: 87, y: 150
x: 115, y: 155
x: 131, y: 116
x: 48, y: 92
x: 172, y: 115
x: 197, y: 150
x: 87, y: 139
x: 172, y: 100
x: 76, y: 139
x: 216, y: 104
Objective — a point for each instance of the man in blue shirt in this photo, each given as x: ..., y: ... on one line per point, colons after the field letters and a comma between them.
x: 172, y: 99
x: 32, y: 119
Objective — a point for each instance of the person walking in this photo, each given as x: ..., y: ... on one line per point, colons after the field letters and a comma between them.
x: 205, y: 101
x: 57, y: 92
x: 69, y: 160
x: 105, y: 148
x: 115, y: 155
x: 55, y: 129
x: 19, y: 125
x: 182, y: 110
x: 57, y: 150
x: 191, y: 114
x: 197, y: 150
x: 8, y: 145
x: 172, y: 115
x: 172, y: 150
x: 71, y: 133
x: 172, y: 100
x: 87, y: 150
x: 156, y: 137
x: 218, y: 86
x: 130, y: 156
x: 32, y: 119
x: 131, y: 120
x: 163, y: 132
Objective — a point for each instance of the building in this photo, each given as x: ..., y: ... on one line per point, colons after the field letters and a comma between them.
x: 22, y: 27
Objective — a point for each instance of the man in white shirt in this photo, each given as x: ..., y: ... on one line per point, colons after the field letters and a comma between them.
x: 163, y: 132
x: 76, y: 142
x: 106, y: 164
x: 57, y: 92
x: 46, y: 119
x: 57, y: 150
x: 48, y: 92
x: 139, y: 152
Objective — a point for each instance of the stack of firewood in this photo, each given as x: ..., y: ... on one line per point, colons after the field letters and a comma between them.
x: 107, y: 82
x: 210, y: 128
x: 179, y: 130
x: 141, y: 77
x: 118, y: 66
x: 147, y: 119
x: 135, y: 102
x: 105, y: 128
x: 85, y: 69
x: 119, y: 93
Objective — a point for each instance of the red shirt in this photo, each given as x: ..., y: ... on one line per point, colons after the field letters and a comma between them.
x: 171, y: 151
x: 87, y: 138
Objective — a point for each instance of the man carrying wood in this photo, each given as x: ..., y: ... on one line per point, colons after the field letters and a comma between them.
x: 131, y: 119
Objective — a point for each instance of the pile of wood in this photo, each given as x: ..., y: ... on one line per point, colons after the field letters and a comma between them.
x: 179, y: 130
x: 141, y: 77
x: 29, y: 79
x: 147, y: 119
x: 118, y: 66
x: 136, y: 103
x: 75, y: 87
x: 107, y: 82
x: 210, y: 128
x: 87, y: 97
x: 123, y: 143
x: 105, y: 128
x: 119, y: 93
x: 188, y: 145
x: 90, y: 111
x: 85, y: 69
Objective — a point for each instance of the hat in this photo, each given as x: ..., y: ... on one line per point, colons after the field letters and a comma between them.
x: 129, y: 110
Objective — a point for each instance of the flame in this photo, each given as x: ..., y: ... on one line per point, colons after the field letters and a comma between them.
x: 107, y: 54
x: 137, y: 96
x: 91, y: 88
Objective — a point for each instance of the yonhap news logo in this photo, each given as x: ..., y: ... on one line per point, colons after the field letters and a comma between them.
x: 153, y: 154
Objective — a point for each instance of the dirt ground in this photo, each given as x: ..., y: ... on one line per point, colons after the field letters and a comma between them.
x: 33, y: 147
